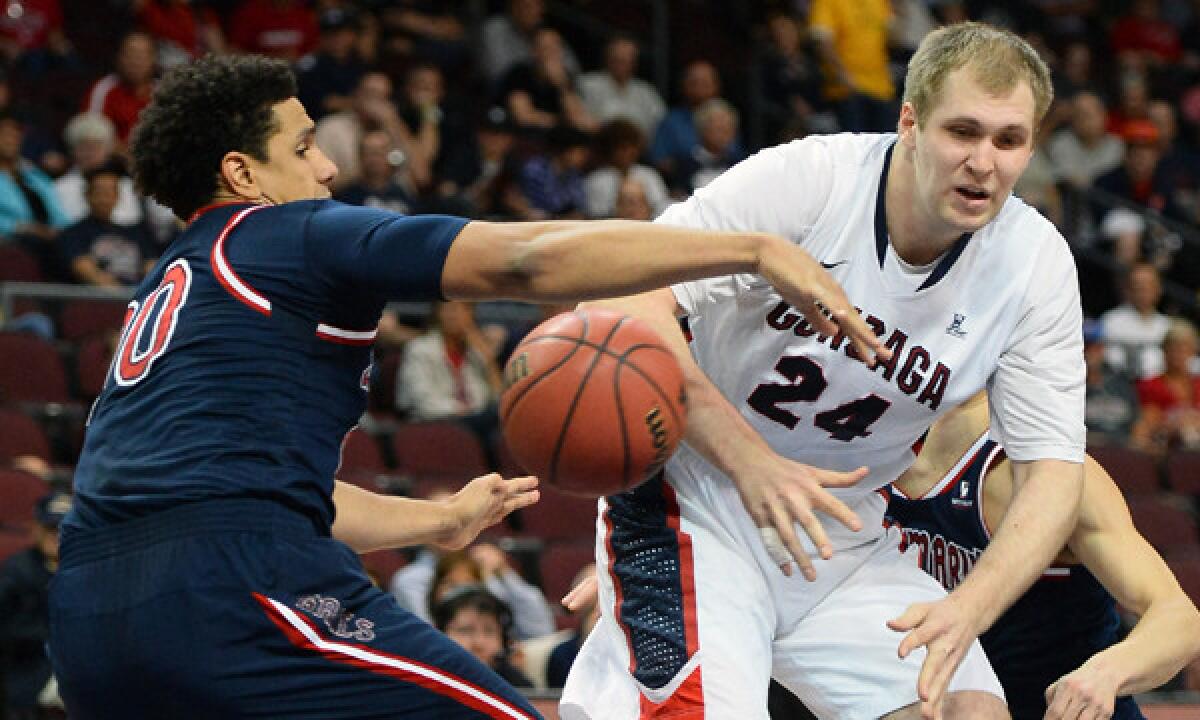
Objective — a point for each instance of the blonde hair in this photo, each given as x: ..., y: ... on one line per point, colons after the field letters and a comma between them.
x: 1179, y: 330
x: 999, y: 60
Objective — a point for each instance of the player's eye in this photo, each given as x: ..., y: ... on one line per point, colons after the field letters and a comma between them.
x: 301, y: 149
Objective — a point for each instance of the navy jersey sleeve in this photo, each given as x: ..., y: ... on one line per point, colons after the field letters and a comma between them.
x: 380, y: 253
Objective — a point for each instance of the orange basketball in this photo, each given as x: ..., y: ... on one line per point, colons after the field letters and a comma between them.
x: 593, y: 402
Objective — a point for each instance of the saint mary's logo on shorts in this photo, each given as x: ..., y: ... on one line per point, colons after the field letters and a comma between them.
x: 341, y: 623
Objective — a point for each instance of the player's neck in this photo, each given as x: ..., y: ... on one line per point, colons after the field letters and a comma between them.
x: 915, y: 234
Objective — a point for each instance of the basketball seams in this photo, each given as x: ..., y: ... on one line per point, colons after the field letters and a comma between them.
x: 546, y: 373
x: 622, y: 360
x: 570, y: 414
x: 625, y: 460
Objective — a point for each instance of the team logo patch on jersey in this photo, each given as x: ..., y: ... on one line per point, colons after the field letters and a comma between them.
x: 964, y: 488
x: 339, y: 622
x: 955, y: 328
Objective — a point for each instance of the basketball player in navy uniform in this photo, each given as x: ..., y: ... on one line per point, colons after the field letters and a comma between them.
x: 1056, y: 648
x: 971, y: 288
x: 209, y: 568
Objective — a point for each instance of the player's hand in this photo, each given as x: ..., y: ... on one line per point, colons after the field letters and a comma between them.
x: 1089, y: 693
x: 582, y: 596
x: 945, y: 629
x: 778, y: 493
x: 814, y: 293
x: 483, y: 502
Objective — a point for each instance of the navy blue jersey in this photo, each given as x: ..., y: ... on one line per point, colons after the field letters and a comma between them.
x: 244, y: 357
x: 1060, y: 622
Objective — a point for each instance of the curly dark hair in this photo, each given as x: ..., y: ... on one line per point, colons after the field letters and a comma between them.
x: 199, y: 112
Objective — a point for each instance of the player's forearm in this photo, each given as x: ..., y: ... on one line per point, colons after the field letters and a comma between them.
x: 567, y: 260
x: 368, y: 521
x: 1165, y: 639
x: 1043, y: 511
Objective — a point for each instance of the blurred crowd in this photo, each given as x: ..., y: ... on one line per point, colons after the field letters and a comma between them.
x: 531, y: 109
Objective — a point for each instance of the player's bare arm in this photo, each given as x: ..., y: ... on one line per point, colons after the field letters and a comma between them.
x: 1043, y: 512
x: 1167, y: 634
x: 579, y: 260
x: 368, y: 521
x: 777, y: 492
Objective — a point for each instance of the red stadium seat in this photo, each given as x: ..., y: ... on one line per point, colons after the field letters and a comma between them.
x: 560, y: 517
x: 560, y: 563
x: 91, y: 366
x: 509, y: 467
x: 17, y: 265
x: 31, y: 370
x: 21, y: 435
x: 1134, y: 471
x: 81, y: 319
x: 382, y: 564
x: 1165, y: 525
x: 440, y: 449
x: 12, y: 543
x: 361, y: 452
x: 19, y: 492
x: 1183, y: 472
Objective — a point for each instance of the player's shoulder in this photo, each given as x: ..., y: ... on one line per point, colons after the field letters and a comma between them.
x: 848, y: 150
x: 1022, y: 232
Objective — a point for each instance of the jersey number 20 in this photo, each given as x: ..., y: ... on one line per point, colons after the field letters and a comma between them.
x: 150, y: 324
x: 845, y: 422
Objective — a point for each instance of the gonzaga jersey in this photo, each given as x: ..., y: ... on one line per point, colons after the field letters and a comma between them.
x: 1000, y: 308
x: 1065, y: 617
x: 244, y: 357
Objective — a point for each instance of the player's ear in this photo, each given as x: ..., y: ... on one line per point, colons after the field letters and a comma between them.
x: 906, y: 126
x: 238, y: 176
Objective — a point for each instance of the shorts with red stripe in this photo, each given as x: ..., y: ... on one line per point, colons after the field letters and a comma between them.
x: 243, y: 609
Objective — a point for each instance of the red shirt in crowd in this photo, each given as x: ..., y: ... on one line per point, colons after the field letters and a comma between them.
x: 1155, y: 37
x: 28, y: 22
x: 178, y: 23
x: 281, y: 28
x: 118, y: 102
x: 1155, y: 392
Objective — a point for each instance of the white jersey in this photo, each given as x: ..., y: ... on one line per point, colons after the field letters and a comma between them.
x: 1000, y: 309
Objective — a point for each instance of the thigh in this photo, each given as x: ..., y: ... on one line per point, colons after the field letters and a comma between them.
x: 686, y: 620
x: 258, y: 627
x: 841, y: 658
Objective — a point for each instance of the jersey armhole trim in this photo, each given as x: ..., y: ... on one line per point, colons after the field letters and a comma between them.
x: 951, y: 478
x: 227, y: 276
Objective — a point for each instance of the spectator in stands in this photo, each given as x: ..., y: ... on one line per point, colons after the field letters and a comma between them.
x: 853, y: 40
x: 483, y: 175
x: 340, y: 135
x: 32, y: 37
x: 617, y: 92
x: 1085, y: 149
x: 383, y: 182
x: 122, y: 94
x: 284, y: 29
x: 184, y: 30
x: 29, y: 209
x: 328, y: 76
x: 1111, y: 411
x: 716, y: 151
x: 431, y: 31
x: 631, y: 201
x: 435, y: 123
x: 24, y: 615
x: 790, y: 75
x: 1171, y: 401
x: 1179, y: 164
x: 619, y: 144
x: 1143, y: 38
x: 480, y: 622
x: 541, y: 93
x: 1135, y: 329
x: 92, y: 141
x: 552, y: 182
x: 1133, y: 101
x: 1074, y: 73
x: 97, y: 250
x: 677, y: 135
x: 450, y: 373
x: 563, y: 655
x: 420, y: 584
x: 1142, y: 178
x: 507, y: 40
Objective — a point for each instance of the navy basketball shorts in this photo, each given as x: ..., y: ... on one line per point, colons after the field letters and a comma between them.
x: 241, y: 609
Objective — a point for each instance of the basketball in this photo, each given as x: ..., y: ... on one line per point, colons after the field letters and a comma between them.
x: 593, y: 402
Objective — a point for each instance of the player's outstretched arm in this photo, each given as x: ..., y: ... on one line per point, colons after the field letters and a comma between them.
x: 777, y: 492
x: 1035, y: 527
x: 564, y: 261
x: 1167, y: 634
x: 368, y: 521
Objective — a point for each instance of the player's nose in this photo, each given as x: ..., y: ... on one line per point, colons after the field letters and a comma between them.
x: 326, y: 170
x: 981, y: 160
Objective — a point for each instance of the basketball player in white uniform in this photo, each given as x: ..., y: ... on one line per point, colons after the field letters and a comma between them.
x: 969, y: 288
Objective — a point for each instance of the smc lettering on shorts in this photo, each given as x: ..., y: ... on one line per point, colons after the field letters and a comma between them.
x: 945, y: 560
x: 910, y: 377
x: 340, y: 623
